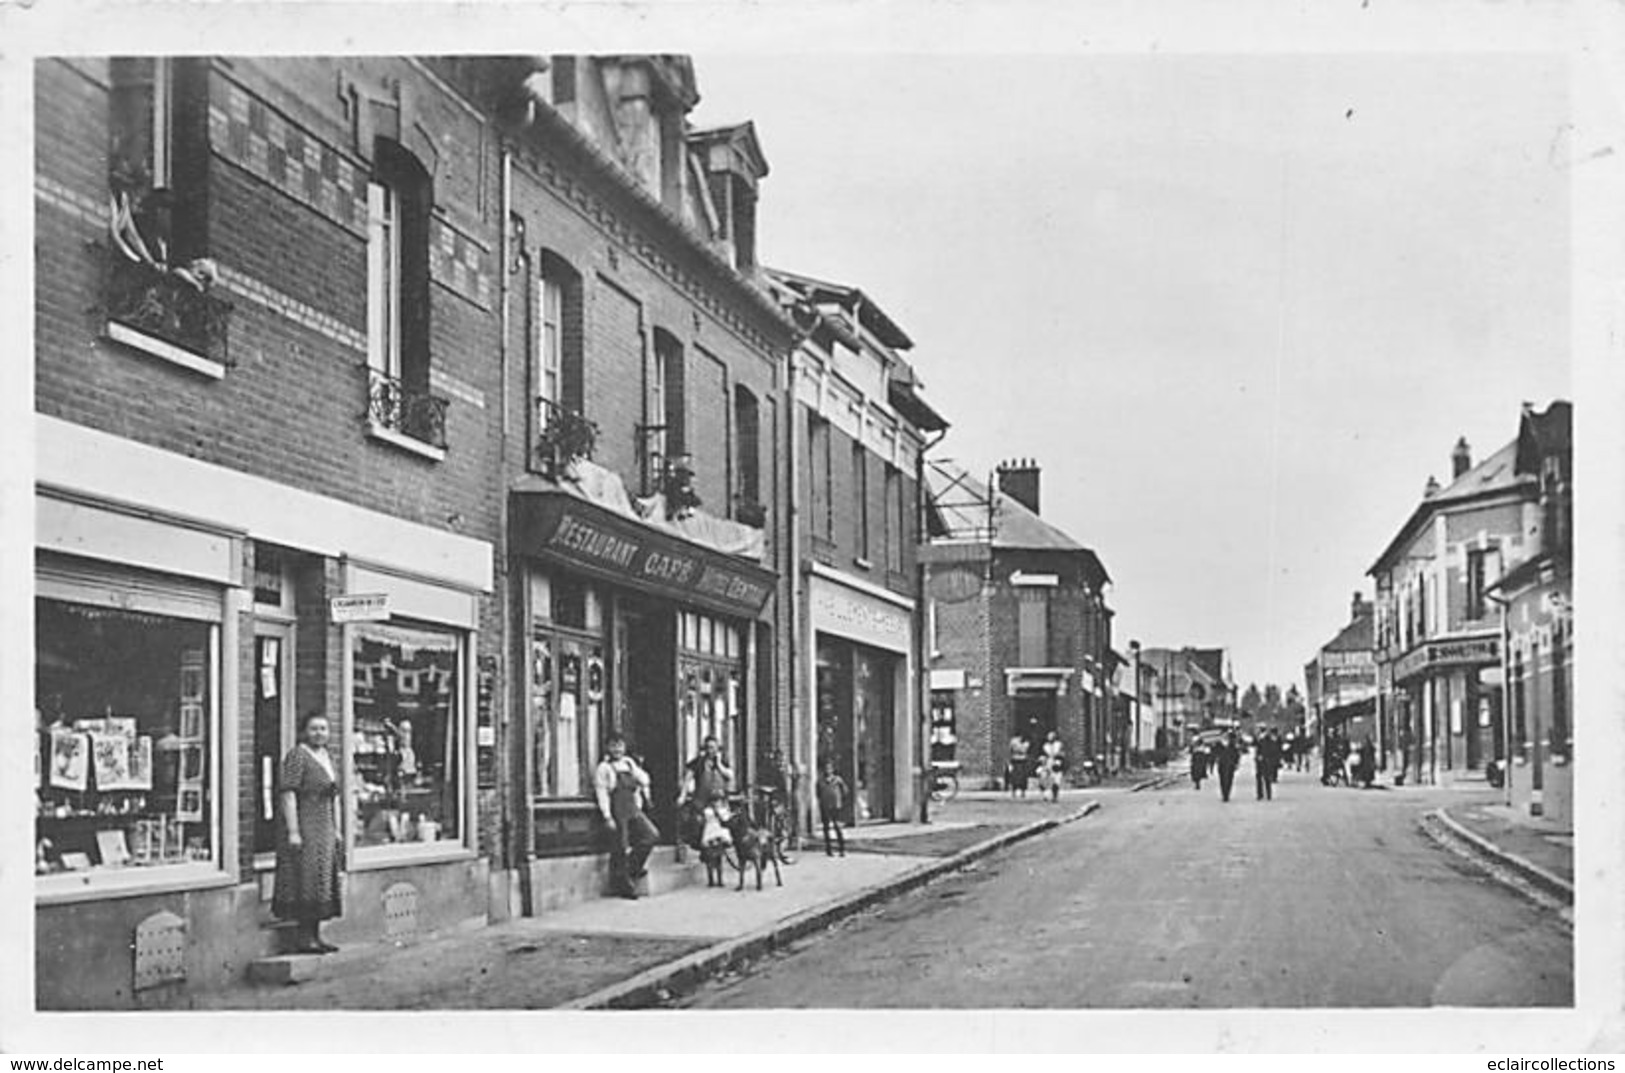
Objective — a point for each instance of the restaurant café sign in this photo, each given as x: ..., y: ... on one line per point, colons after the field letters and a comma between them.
x: 1468, y: 652
x: 626, y: 553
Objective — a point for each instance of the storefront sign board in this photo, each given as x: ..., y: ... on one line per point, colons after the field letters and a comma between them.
x: 1470, y: 651
x: 858, y: 616
x: 600, y: 542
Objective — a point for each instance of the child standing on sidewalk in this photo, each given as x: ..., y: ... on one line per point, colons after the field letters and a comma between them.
x: 831, y: 803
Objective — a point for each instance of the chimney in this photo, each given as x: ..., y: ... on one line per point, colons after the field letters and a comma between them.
x: 1018, y: 479
x: 1461, y: 459
x: 1360, y: 608
x: 1432, y: 488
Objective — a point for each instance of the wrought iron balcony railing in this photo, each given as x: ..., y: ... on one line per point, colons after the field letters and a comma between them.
x: 176, y: 308
x: 394, y: 406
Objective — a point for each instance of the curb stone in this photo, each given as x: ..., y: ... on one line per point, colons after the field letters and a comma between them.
x: 1530, y: 880
x: 647, y: 988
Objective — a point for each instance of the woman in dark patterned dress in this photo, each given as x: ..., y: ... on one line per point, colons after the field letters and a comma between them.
x: 307, y: 859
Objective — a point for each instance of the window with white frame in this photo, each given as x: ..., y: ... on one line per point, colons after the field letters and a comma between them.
x: 407, y: 739
x: 400, y: 200
x: 125, y: 744
x: 383, y: 279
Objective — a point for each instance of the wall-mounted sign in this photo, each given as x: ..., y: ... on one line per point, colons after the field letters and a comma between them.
x: 946, y: 679
x: 954, y: 584
x: 1468, y: 652
x: 360, y: 607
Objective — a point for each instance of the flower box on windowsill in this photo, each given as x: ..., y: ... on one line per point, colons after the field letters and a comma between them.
x: 169, y: 314
x: 158, y: 348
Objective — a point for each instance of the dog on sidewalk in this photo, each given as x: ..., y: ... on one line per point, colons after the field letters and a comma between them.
x: 715, y: 839
x: 753, y: 847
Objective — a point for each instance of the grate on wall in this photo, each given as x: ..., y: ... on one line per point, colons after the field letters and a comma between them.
x: 400, y: 910
x: 160, y: 951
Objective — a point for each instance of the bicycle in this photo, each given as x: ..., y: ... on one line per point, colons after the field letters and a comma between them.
x: 944, y: 780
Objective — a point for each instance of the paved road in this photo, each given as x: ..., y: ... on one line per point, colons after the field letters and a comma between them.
x: 1172, y: 898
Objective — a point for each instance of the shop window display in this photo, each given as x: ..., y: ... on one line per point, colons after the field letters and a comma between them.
x: 568, y: 680
x: 123, y: 739
x: 407, y: 734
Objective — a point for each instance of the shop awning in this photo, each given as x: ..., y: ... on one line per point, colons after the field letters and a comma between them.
x: 563, y: 528
x: 1343, y: 713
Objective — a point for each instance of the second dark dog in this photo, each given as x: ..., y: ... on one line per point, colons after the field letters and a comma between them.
x: 752, y: 847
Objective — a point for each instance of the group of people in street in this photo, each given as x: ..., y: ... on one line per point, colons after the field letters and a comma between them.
x: 1335, y: 766
x: 1222, y: 755
x: 1048, y: 766
x: 1273, y: 751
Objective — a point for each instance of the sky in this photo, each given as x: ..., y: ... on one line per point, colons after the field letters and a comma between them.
x: 1239, y: 307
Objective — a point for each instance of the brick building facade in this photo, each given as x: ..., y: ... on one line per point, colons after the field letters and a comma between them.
x: 438, y: 396
x: 218, y: 462
x: 1019, y: 632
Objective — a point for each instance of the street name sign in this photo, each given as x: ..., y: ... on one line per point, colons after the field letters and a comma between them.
x: 360, y: 607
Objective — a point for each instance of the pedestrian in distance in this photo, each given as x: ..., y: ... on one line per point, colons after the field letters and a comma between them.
x: 1199, y: 762
x: 1018, y: 770
x: 1228, y: 757
x: 623, y: 793
x: 1266, y: 763
x: 309, y: 857
x: 832, y: 794
x: 1365, y: 767
x: 1052, y: 763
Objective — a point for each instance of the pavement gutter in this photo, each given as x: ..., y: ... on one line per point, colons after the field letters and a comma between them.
x: 644, y: 989
x: 1452, y: 835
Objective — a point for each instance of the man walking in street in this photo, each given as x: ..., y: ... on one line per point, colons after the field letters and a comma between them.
x: 1266, y: 763
x: 1228, y: 757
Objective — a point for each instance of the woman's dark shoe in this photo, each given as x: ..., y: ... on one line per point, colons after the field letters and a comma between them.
x: 322, y: 947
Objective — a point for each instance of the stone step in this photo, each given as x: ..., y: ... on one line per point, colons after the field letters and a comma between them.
x: 666, y: 874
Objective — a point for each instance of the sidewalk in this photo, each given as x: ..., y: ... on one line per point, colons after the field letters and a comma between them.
x: 1531, y: 853
x: 614, y: 953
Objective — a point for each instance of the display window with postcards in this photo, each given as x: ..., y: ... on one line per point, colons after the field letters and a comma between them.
x: 408, y: 738
x: 567, y: 683
x: 126, y: 729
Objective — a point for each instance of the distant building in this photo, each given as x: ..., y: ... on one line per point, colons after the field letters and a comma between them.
x: 1341, y: 681
x: 1190, y: 690
x: 1019, y: 633
x: 1537, y: 601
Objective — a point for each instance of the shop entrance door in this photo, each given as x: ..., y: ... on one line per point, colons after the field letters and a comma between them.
x: 872, y: 714
x: 651, y: 711
x: 1034, y: 717
x: 274, y: 732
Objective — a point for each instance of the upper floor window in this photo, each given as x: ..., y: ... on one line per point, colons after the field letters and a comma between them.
x: 158, y: 283
x: 664, y: 435
x: 1483, y: 569
x: 896, y: 519
x: 860, y: 502
x: 1032, y: 626
x: 400, y: 198
x: 142, y: 127
x: 818, y: 477
x: 748, y: 455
